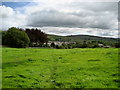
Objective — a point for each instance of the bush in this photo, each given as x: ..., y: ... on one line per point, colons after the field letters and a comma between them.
x: 57, y: 47
x: 117, y: 45
x: 3, y: 33
x: 53, y: 45
x: 16, y: 38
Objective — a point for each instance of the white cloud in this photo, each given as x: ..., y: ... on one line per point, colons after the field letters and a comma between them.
x: 60, y: 0
x: 65, y: 18
x: 63, y: 31
x: 11, y: 18
x: 86, y: 15
x: 80, y: 31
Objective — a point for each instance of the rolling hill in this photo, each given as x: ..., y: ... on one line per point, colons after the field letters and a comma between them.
x: 81, y: 38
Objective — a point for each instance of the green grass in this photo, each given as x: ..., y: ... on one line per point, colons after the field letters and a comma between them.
x: 60, y: 68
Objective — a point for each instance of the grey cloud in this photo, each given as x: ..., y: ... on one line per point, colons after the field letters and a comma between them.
x: 72, y: 18
x: 84, y: 19
x: 52, y: 18
x: 96, y: 6
x: 119, y: 11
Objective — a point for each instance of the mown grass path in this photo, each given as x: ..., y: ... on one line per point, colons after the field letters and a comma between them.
x: 60, y: 68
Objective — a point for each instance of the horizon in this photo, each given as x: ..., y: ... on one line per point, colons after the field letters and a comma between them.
x: 76, y: 35
x: 63, y: 18
x: 72, y: 34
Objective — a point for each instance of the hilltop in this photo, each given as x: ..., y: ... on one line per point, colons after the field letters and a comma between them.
x: 81, y: 38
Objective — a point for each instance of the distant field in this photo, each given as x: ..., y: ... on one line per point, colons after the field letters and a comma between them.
x: 60, y: 68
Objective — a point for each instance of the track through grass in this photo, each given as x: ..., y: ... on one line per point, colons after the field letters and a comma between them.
x: 60, y: 68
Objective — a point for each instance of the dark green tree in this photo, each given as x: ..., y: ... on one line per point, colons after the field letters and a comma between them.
x: 16, y: 38
x: 3, y: 33
x: 53, y: 45
x: 117, y: 45
x: 36, y: 36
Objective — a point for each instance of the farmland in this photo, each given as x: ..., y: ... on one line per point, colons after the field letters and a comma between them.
x: 60, y: 68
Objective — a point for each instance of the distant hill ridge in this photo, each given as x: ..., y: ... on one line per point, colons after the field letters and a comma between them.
x: 81, y: 38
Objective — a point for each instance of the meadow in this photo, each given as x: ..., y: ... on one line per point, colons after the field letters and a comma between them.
x: 60, y: 68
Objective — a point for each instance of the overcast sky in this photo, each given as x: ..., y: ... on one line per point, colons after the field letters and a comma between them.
x: 61, y: 17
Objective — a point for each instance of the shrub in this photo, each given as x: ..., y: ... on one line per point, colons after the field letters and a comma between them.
x: 57, y: 47
x: 117, y: 45
x: 53, y: 45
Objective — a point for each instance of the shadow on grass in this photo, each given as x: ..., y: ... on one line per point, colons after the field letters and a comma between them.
x: 15, y: 64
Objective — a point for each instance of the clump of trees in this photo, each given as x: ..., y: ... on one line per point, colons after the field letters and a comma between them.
x: 117, y: 45
x: 15, y: 38
x: 53, y: 45
x: 37, y: 37
x: 20, y: 38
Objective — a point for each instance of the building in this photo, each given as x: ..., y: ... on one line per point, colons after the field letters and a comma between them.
x: 59, y: 43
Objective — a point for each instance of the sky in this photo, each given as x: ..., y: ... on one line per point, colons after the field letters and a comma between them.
x: 61, y: 17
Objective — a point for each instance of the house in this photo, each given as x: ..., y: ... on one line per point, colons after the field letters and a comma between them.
x: 100, y: 45
x: 107, y: 46
x: 59, y: 43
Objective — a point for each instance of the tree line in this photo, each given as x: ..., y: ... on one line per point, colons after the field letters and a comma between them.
x: 22, y: 38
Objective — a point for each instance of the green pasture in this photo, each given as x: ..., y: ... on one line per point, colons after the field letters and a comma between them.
x: 60, y: 68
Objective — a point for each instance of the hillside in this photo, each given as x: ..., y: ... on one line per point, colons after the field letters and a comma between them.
x: 81, y: 38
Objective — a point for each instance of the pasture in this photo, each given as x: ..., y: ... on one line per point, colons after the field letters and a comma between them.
x: 60, y: 68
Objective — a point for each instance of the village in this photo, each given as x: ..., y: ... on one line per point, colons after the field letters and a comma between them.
x: 63, y: 43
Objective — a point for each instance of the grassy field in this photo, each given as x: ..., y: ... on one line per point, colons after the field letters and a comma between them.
x: 60, y: 68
